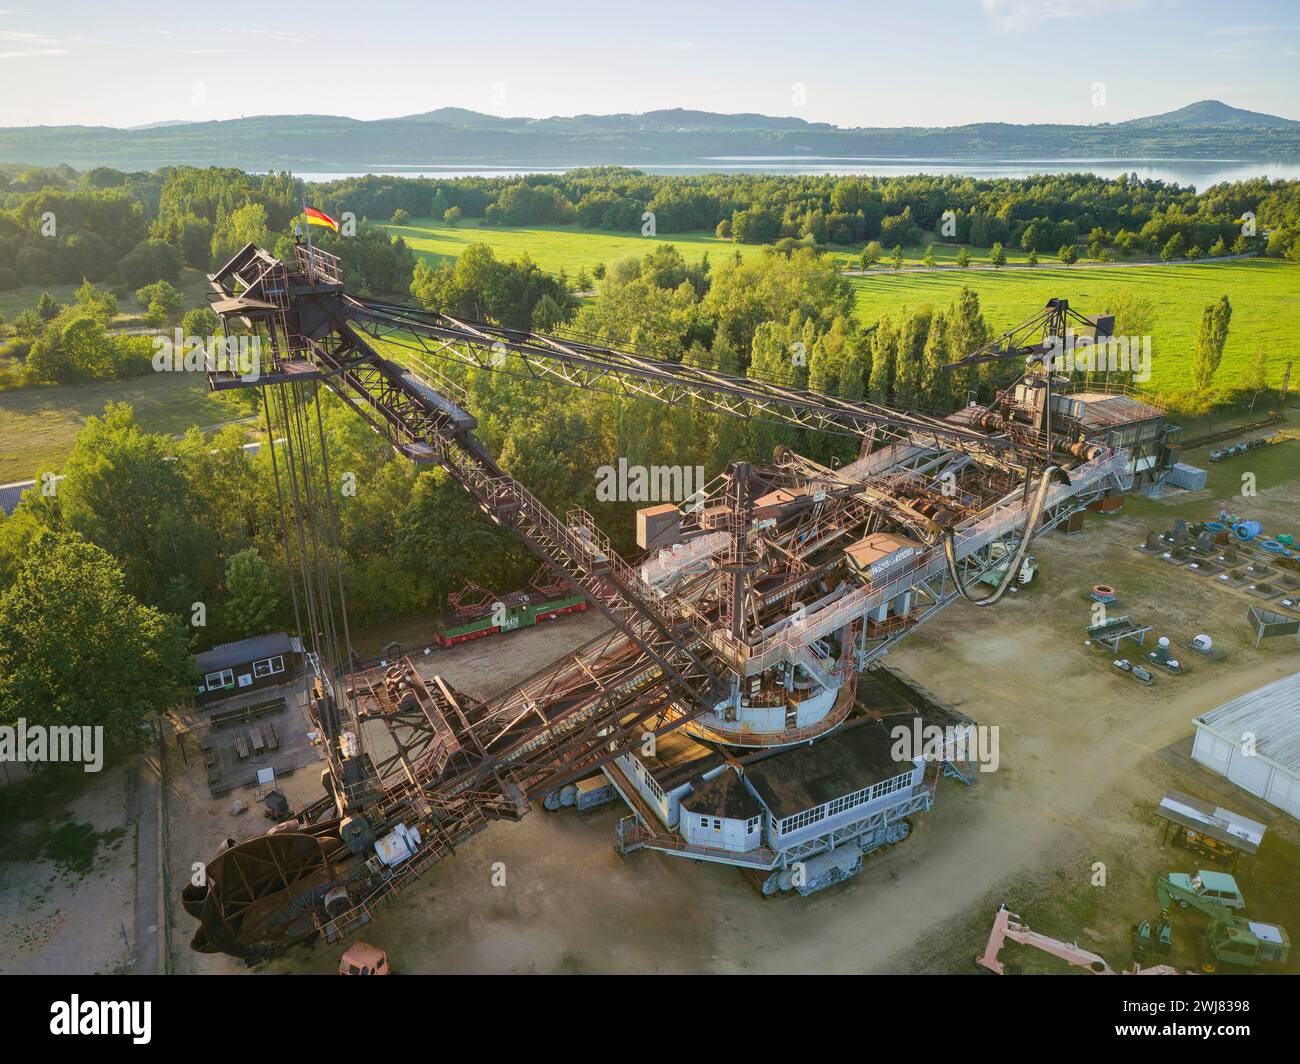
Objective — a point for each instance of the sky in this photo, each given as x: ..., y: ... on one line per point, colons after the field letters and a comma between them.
x: 859, y: 63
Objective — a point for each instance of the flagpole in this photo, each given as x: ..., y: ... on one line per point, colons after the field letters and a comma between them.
x: 311, y: 252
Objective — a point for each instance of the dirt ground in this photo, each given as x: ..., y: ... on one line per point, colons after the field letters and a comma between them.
x: 67, y: 885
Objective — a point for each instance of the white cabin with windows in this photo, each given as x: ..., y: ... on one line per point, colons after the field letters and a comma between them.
x: 828, y: 785
x: 720, y: 813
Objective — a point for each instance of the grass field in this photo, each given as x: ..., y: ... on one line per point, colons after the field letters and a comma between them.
x: 38, y: 425
x: 1265, y: 296
x: 572, y: 248
x: 555, y: 247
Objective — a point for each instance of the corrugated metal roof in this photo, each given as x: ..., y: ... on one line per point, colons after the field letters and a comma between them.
x: 11, y: 494
x: 1271, y: 713
x: 245, y: 651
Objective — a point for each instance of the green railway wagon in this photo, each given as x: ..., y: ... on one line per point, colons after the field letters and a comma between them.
x: 513, y: 613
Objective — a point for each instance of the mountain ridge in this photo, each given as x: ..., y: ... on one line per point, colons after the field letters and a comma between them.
x: 452, y: 136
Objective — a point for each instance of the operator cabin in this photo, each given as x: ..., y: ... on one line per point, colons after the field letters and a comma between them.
x: 782, y: 799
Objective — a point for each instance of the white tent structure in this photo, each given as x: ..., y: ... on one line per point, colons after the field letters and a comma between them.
x: 1254, y: 741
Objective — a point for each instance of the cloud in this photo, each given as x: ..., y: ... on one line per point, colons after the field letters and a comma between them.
x: 1014, y: 15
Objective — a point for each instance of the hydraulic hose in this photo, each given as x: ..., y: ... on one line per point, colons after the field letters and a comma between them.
x: 1050, y: 474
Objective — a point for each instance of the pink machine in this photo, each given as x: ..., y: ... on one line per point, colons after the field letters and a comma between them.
x: 1007, y: 925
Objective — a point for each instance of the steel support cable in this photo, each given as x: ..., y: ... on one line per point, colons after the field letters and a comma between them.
x: 284, y: 524
x: 292, y: 456
x: 609, y: 361
x: 1050, y: 474
x: 333, y: 527
x: 315, y: 515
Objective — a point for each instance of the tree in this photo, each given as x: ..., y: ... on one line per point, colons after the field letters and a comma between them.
x: 1173, y: 247
x: 162, y: 300
x: 1210, y: 341
x: 872, y: 254
x: 1069, y: 254
x: 723, y: 231
x: 1030, y: 238
x: 451, y: 215
x: 47, y: 307
x: 1033, y: 258
x: 1218, y: 248
x: 77, y: 649
x: 96, y: 301
x: 997, y: 256
x: 252, y: 594
x: 1240, y: 246
x: 201, y: 321
x: 896, y: 256
x: 884, y: 358
x: 963, y: 256
x: 122, y: 491
x: 399, y: 217
x: 1258, y: 373
x: 150, y: 260
x: 929, y: 256
x: 934, y: 378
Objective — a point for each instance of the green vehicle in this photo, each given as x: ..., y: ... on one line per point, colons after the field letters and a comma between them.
x: 1230, y: 937
x: 512, y: 612
x: 1211, y: 892
x: 1248, y: 943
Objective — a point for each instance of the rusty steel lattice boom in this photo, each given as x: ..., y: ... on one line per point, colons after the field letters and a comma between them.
x: 749, y: 632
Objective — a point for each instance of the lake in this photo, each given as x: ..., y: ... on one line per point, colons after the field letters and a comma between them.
x: 1202, y: 173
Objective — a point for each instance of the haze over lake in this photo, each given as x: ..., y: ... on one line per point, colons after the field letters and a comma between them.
x: 1202, y: 173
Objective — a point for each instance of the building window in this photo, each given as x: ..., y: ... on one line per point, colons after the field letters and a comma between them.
x: 717, y: 825
x: 751, y: 825
x: 704, y: 822
x: 652, y: 785
x: 268, y: 667
x: 802, y: 820
x: 224, y: 678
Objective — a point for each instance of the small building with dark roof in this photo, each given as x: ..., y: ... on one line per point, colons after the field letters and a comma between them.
x: 720, y: 813
x: 851, y: 774
x: 247, y: 665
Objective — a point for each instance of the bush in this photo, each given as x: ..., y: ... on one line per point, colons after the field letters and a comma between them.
x: 149, y: 260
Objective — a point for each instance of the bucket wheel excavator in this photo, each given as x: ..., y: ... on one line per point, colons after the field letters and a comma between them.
x: 777, y: 577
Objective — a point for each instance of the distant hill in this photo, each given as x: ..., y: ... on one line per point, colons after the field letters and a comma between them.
x: 1214, y: 113
x: 454, y: 136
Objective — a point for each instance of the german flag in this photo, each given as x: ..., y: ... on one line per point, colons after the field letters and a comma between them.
x: 315, y: 217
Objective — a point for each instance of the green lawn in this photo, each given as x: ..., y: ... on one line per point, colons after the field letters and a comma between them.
x: 38, y: 425
x: 572, y: 248
x: 1265, y: 296
x: 555, y: 247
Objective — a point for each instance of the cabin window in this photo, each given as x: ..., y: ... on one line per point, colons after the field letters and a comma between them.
x: 751, y: 825
x: 268, y: 666
x: 224, y: 678
x: 717, y: 825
